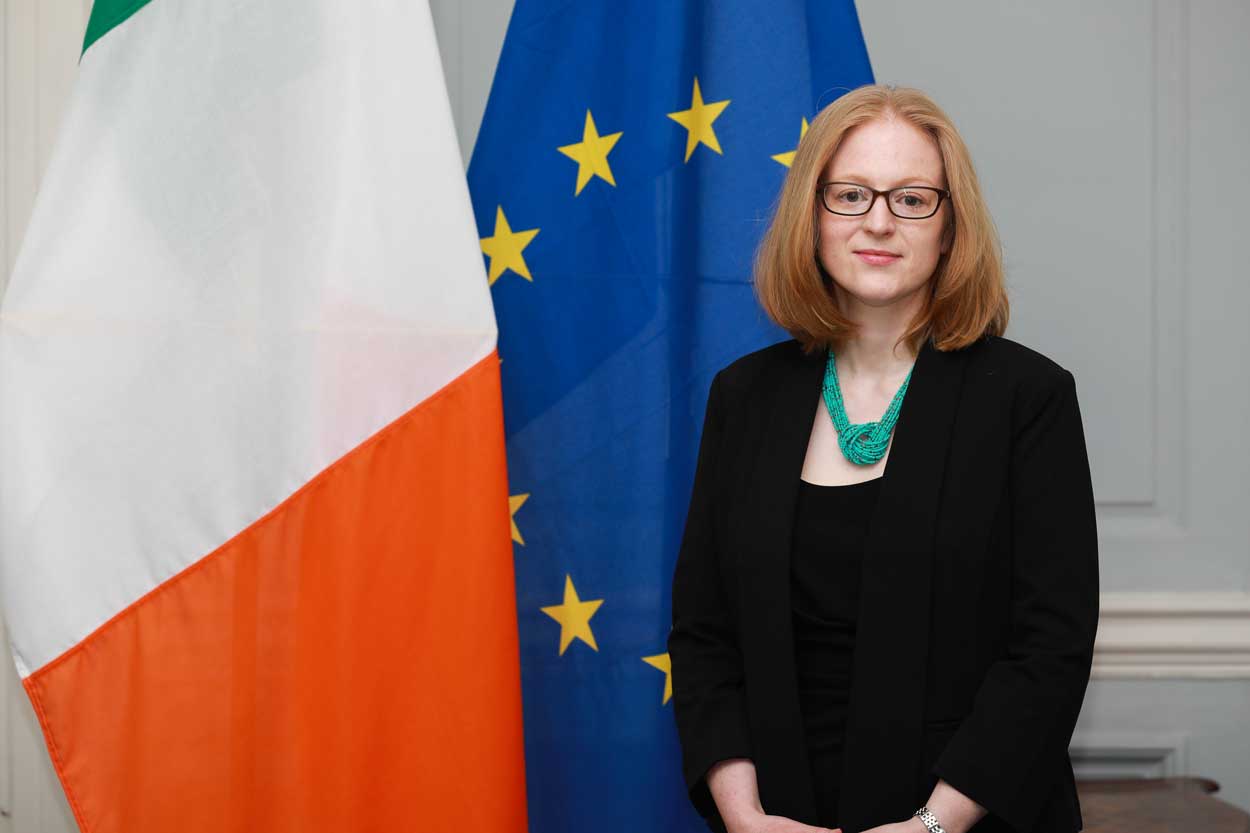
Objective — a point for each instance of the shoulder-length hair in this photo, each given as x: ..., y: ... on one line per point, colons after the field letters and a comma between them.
x: 966, y: 298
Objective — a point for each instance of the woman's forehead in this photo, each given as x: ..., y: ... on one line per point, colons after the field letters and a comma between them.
x: 885, y: 153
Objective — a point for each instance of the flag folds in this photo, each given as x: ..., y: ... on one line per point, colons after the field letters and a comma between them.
x: 253, y: 497
x: 626, y: 167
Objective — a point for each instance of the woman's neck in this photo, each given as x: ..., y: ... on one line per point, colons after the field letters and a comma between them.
x: 877, y: 359
x: 876, y: 353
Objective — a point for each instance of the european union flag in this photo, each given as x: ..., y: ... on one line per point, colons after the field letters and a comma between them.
x: 627, y: 163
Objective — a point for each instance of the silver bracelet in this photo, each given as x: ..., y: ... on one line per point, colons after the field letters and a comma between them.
x: 930, y: 820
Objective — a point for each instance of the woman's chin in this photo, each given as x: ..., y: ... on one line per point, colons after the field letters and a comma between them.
x: 878, y: 296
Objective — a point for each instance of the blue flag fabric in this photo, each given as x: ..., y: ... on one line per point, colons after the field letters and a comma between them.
x: 627, y: 164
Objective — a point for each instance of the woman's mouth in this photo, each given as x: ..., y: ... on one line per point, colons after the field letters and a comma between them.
x: 877, y: 257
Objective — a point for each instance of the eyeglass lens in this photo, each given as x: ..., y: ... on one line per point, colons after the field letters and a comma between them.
x: 912, y: 203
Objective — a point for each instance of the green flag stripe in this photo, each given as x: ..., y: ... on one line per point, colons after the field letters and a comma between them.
x: 105, y: 14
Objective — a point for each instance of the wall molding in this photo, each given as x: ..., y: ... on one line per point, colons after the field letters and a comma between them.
x: 1104, y: 755
x: 1169, y: 239
x: 1158, y: 635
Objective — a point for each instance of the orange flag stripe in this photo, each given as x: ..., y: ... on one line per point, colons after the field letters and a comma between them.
x: 348, y: 662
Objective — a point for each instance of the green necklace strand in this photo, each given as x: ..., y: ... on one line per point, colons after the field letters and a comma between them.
x: 866, y: 442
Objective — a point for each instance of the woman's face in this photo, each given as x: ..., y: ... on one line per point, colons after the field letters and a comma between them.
x: 882, y: 154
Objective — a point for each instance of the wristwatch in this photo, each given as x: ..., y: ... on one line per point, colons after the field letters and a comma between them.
x: 930, y: 820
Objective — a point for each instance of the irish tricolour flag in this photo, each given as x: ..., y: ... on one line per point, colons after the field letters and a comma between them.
x: 254, y: 525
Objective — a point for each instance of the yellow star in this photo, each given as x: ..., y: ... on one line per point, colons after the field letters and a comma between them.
x: 574, y: 617
x: 698, y: 121
x: 591, y: 155
x: 514, y: 503
x: 787, y: 159
x: 662, y: 662
x: 505, y: 247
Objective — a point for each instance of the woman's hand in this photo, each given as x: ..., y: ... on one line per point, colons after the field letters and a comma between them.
x: 762, y: 823
x: 736, y: 792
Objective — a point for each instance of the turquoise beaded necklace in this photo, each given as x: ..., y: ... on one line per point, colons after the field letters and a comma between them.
x: 864, y: 443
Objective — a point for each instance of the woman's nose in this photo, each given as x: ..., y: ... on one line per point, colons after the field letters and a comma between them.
x: 879, y: 220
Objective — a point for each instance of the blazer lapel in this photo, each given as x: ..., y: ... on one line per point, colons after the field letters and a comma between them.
x: 885, y: 714
x: 884, y: 729
x: 762, y: 527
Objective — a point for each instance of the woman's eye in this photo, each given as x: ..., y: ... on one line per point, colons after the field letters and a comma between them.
x: 912, y: 199
x: 852, y: 196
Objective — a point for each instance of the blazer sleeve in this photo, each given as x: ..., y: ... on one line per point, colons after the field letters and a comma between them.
x: 1010, y: 749
x: 709, y: 702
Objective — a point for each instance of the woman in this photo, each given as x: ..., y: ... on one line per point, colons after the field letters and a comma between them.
x: 886, y: 596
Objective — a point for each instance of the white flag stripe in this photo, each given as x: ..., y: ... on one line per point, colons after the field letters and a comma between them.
x: 247, y: 256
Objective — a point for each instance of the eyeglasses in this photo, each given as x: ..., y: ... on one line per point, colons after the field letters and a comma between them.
x: 908, y: 202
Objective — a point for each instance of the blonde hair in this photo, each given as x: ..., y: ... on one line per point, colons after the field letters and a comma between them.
x: 967, y: 297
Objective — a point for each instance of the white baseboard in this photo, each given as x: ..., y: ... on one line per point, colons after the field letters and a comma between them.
x: 1103, y: 755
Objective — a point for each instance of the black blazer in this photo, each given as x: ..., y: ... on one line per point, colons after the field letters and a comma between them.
x: 979, y: 594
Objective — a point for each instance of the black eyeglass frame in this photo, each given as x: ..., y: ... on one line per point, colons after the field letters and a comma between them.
x: 822, y: 187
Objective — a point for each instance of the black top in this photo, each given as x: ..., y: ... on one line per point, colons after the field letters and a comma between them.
x: 830, y: 524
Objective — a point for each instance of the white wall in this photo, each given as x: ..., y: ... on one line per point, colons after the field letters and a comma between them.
x: 1136, y: 111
